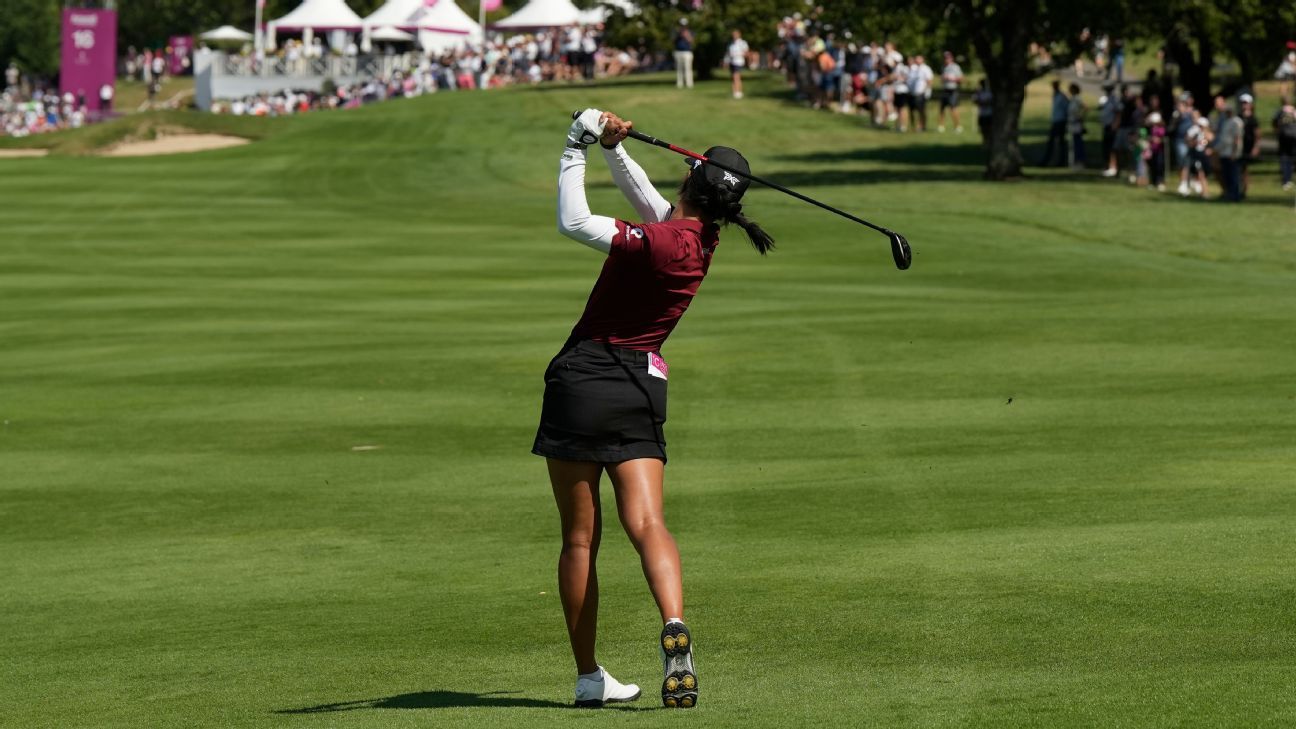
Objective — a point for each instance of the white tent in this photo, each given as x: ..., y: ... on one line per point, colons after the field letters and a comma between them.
x: 447, y: 17
x: 599, y: 13
x: 445, y: 26
x: 318, y: 15
x: 388, y: 33
x: 226, y: 33
x: 396, y: 13
x: 542, y: 14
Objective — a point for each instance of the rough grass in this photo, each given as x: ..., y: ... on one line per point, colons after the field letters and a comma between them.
x: 1041, y: 479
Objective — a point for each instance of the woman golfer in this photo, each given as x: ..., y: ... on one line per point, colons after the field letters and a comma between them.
x: 605, y: 391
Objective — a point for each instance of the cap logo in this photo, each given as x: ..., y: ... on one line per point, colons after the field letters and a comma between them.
x: 729, y: 178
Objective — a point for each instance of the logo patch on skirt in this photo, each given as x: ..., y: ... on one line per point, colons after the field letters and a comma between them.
x: 657, y: 366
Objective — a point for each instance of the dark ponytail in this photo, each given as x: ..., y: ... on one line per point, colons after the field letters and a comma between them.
x: 760, y: 240
x: 717, y: 208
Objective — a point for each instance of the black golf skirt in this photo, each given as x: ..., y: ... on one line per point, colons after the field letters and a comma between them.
x: 602, y: 403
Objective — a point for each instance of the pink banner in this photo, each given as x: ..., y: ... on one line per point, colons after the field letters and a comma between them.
x: 181, y: 46
x: 89, y: 55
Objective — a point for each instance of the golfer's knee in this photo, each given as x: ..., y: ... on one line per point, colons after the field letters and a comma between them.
x: 580, y: 540
x: 644, y: 529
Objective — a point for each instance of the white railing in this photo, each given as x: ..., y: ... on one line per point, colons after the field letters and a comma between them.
x: 365, y: 66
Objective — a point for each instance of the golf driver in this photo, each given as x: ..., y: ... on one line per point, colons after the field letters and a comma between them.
x: 899, y: 246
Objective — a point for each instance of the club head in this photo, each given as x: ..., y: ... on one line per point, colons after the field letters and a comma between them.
x: 900, y: 250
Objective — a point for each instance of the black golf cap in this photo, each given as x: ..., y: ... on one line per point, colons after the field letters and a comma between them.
x: 733, y: 186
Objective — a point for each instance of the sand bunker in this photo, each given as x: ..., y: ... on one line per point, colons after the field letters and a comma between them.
x: 23, y: 153
x: 174, y: 144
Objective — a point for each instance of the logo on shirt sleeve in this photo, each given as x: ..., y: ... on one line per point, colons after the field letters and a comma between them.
x: 637, y: 232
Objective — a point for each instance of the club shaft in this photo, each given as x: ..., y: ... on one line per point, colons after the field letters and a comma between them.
x: 640, y: 136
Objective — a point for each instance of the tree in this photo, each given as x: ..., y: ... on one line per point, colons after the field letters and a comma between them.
x: 1001, y: 34
x: 29, y: 35
x: 1196, y: 32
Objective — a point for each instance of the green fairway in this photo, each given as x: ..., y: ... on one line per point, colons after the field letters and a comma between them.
x: 267, y: 414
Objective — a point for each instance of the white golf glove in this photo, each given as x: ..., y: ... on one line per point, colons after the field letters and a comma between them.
x: 585, y: 129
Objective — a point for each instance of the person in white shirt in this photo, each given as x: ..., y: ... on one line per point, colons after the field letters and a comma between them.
x: 1286, y: 73
x: 736, y: 57
x: 920, y: 81
x: 951, y: 79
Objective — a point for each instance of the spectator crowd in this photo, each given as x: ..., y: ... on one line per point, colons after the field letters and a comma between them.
x: 27, y: 107
x: 571, y: 54
x: 1156, y: 140
x: 890, y: 88
x: 1144, y: 139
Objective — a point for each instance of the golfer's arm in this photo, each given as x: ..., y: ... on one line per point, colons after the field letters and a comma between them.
x: 635, y: 185
x: 574, y: 218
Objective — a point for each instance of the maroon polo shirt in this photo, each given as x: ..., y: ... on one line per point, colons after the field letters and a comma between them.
x: 647, y: 282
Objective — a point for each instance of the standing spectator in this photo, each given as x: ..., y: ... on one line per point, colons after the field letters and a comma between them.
x: 1156, y: 151
x: 951, y: 78
x: 1085, y: 38
x: 11, y: 76
x: 1109, y: 107
x: 1142, y: 150
x: 1201, y: 138
x: 832, y: 61
x: 900, y: 95
x: 854, y: 79
x: 590, y: 42
x: 920, y: 83
x: 1117, y: 60
x: 1286, y: 73
x: 683, y: 55
x: 1185, y: 118
x: 737, y: 58
x: 105, y: 99
x: 1129, y: 120
x: 1076, y: 111
x: 1217, y: 124
x: 1228, y: 146
x: 984, y: 101
x: 1284, y: 124
x: 1057, y: 129
x: 1250, y: 140
x: 159, y: 65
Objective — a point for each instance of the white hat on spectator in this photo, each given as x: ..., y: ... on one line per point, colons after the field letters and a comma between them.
x: 1246, y: 99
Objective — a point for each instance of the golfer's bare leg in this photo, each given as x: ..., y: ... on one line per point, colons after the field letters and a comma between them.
x: 638, y: 486
x: 575, y: 488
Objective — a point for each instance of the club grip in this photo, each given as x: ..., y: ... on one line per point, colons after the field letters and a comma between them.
x: 640, y: 136
x: 645, y: 138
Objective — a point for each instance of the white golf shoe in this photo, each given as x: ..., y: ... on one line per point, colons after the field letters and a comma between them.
x: 593, y: 692
x: 679, y: 680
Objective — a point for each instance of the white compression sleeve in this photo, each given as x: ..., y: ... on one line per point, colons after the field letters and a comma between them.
x: 574, y: 218
x: 635, y: 185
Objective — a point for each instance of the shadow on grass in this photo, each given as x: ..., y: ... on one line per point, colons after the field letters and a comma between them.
x: 443, y: 700
x: 946, y: 155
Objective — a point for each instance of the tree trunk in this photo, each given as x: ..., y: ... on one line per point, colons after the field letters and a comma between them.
x: 1005, y: 157
x: 1002, y: 48
x: 1194, y: 69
